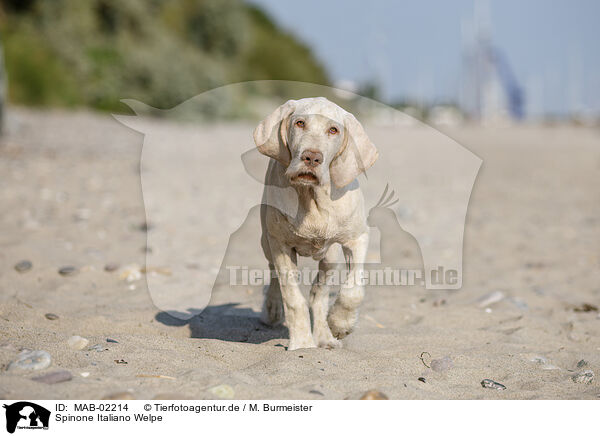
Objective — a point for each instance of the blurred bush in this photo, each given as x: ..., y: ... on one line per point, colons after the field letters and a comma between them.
x: 162, y: 52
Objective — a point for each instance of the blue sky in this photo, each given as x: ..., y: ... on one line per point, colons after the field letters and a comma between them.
x: 414, y: 49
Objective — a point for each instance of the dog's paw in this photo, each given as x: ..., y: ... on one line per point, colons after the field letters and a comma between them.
x: 324, y: 339
x: 330, y: 344
x: 272, y: 312
x: 296, y: 344
x: 341, y: 321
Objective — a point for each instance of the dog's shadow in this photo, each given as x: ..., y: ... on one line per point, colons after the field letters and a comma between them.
x: 226, y: 322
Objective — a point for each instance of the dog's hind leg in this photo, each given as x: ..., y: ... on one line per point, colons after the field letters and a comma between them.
x: 272, y: 310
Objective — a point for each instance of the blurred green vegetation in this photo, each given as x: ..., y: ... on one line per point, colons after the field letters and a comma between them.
x: 162, y: 52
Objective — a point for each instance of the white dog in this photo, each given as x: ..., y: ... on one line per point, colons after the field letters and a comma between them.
x: 318, y: 149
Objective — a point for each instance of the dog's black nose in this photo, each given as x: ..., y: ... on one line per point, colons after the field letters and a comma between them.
x: 312, y: 158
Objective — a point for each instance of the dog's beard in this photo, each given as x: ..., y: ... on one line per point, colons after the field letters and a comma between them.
x: 302, y: 175
x: 306, y: 178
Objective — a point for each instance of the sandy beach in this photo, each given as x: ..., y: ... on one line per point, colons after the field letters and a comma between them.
x: 526, y: 316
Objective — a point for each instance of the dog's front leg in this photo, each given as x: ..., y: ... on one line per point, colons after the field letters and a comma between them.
x: 344, y: 313
x: 319, y: 302
x: 294, y: 304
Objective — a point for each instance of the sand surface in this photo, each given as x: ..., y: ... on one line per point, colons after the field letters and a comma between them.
x: 71, y: 195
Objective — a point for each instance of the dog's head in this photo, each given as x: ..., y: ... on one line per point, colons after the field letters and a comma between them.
x: 317, y: 141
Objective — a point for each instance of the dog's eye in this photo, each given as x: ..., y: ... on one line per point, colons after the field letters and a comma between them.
x: 333, y: 130
x: 300, y: 124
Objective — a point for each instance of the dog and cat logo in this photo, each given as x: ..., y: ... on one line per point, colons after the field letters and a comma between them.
x: 26, y: 415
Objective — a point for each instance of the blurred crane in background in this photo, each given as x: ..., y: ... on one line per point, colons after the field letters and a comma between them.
x: 490, y: 91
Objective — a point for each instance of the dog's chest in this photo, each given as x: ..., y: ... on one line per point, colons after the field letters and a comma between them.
x: 316, y: 230
x: 318, y: 222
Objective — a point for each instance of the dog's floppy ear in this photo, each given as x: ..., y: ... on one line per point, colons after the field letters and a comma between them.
x: 270, y: 136
x: 357, y: 153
